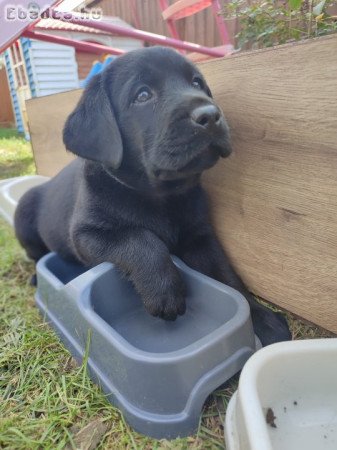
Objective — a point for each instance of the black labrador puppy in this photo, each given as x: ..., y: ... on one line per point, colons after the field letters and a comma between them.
x: 145, y: 129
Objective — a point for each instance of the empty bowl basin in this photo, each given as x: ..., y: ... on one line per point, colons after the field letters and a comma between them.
x: 286, y: 399
x: 158, y: 373
x: 12, y: 189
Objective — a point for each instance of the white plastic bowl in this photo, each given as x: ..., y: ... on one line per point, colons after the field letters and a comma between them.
x: 12, y: 189
x: 298, y: 382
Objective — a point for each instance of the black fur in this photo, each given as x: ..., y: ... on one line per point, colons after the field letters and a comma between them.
x: 134, y: 195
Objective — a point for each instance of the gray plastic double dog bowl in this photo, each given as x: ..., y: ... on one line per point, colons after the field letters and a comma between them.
x: 158, y: 373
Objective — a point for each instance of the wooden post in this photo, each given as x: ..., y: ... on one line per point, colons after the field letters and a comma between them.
x: 275, y: 199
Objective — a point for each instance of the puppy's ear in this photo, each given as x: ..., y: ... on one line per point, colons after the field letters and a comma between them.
x: 91, y: 130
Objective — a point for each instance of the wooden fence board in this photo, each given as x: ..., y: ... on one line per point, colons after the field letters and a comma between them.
x: 7, y: 118
x: 190, y: 29
x: 275, y: 199
x: 46, y: 117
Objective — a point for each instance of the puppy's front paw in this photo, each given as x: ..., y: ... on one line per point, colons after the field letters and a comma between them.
x: 168, y: 304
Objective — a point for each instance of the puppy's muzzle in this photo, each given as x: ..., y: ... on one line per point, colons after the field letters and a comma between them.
x: 208, y: 119
x: 207, y: 116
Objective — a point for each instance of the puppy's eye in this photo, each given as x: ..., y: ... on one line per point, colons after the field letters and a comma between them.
x: 197, y: 83
x: 143, y: 95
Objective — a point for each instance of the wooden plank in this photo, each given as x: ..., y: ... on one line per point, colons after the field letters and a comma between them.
x: 275, y: 199
x: 6, y: 108
x: 85, y: 62
x: 46, y: 117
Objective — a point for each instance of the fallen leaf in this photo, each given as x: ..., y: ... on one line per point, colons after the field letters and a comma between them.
x: 90, y: 436
x: 70, y: 364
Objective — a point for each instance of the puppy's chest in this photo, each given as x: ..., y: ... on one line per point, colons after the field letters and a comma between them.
x: 167, y: 220
x: 162, y: 223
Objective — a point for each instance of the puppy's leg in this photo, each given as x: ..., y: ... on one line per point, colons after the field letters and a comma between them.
x: 145, y: 259
x: 205, y: 254
x: 26, y: 228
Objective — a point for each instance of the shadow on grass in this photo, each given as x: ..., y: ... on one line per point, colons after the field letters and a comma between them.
x: 16, y: 168
x: 20, y: 270
x: 8, y: 133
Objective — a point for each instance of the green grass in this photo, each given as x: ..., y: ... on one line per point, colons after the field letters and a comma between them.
x: 15, y: 155
x: 46, y: 400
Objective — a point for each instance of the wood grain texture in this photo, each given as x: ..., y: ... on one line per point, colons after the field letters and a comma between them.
x: 275, y: 199
x: 7, y: 118
x: 46, y: 118
x: 85, y: 62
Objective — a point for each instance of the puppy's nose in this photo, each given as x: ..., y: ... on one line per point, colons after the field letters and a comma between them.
x: 207, y: 116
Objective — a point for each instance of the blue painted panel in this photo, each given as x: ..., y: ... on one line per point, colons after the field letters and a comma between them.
x: 26, y: 44
x: 54, y: 67
x: 16, y: 104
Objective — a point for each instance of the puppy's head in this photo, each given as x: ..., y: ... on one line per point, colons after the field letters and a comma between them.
x: 149, y: 116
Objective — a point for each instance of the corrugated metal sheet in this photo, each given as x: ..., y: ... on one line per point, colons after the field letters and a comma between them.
x: 54, y: 68
x: 16, y: 105
x: 58, y: 25
x: 53, y: 24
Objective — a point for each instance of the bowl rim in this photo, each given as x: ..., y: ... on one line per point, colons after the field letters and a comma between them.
x: 81, y: 287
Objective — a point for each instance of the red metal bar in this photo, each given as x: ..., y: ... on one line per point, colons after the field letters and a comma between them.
x: 164, y: 4
x: 220, y: 22
x: 88, y: 47
x: 141, y: 35
x: 135, y: 14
